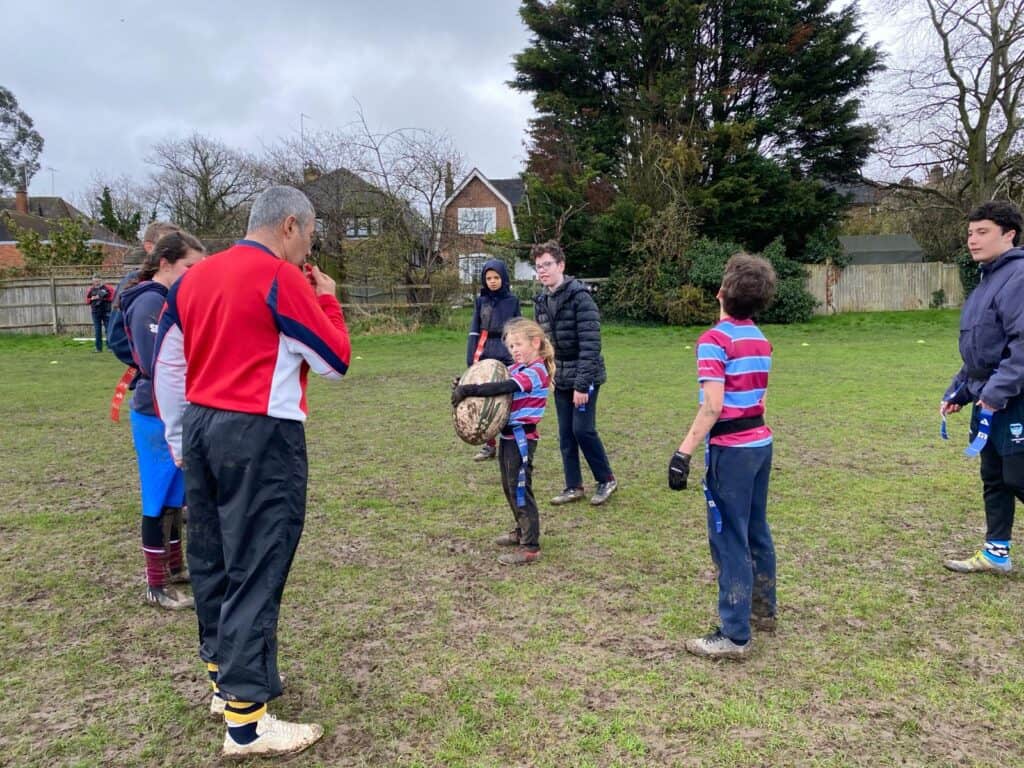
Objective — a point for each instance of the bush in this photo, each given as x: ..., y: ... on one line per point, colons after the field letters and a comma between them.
x: 689, y: 305
x: 707, y: 263
x: 793, y: 304
x: 969, y: 274
x: 938, y: 299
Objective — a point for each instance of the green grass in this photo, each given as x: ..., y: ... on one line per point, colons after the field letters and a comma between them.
x: 404, y: 637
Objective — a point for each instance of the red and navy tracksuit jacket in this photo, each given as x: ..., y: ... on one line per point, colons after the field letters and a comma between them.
x: 250, y: 327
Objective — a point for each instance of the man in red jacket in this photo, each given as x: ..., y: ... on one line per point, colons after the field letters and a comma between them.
x: 238, y: 335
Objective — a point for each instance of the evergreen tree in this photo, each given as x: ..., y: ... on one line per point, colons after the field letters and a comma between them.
x: 742, y: 106
x: 124, y: 224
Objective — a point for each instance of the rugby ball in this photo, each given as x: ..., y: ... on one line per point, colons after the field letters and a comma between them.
x: 478, y: 419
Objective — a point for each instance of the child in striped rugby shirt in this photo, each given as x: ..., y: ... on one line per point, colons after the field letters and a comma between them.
x: 733, y: 361
x: 529, y: 380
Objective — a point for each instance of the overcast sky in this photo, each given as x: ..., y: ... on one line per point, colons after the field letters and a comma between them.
x: 103, y: 81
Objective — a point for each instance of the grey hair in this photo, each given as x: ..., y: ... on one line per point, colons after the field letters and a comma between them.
x: 275, y: 204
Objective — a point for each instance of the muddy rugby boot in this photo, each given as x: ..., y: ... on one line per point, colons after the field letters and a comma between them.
x: 717, y: 646
x: 978, y: 563
x: 604, y: 490
x: 274, y: 737
x: 486, y: 452
x: 510, y: 539
x: 170, y: 600
x: 568, y: 495
x: 520, y: 556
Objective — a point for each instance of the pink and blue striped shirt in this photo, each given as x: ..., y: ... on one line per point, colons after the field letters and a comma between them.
x: 529, y: 402
x: 736, y: 353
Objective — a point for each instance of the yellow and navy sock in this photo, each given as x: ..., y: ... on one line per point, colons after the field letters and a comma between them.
x: 997, y: 551
x: 241, y: 717
x: 212, y: 670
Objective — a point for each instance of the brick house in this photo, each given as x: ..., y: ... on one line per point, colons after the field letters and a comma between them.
x: 477, y: 209
x: 41, y: 215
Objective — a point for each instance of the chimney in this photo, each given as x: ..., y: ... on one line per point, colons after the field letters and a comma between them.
x: 449, y: 182
x: 21, y: 201
x: 310, y: 173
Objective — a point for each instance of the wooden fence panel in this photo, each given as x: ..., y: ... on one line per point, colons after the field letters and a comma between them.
x: 883, y: 287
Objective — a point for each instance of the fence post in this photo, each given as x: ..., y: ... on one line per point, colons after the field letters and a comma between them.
x: 53, y: 303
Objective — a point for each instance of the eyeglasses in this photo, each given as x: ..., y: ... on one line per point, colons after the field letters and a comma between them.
x: 544, y: 266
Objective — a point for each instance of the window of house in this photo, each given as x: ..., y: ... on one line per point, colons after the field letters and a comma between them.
x: 362, y: 226
x: 478, y: 221
x: 470, y: 265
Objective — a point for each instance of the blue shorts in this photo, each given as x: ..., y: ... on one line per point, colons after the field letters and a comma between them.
x: 163, y: 484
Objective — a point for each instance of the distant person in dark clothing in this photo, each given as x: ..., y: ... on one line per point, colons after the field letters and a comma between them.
x: 98, y: 297
x: 570, y: 318
x: 494, y: 307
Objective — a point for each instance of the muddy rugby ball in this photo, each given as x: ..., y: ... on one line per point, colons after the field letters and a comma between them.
x: 478, y: 419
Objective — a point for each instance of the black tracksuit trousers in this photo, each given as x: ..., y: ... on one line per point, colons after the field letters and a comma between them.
x: 527, y: 517
x: 245, y: 481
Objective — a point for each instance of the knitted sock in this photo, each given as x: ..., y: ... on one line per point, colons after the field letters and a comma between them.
x: 997, y: 552
x: 241, y: 717
x: 154, y: 552
x: 171, y: 524
x: 211, y: 670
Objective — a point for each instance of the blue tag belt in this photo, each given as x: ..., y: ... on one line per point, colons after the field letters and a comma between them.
x: 716, y: 515
x: 524, y: 452
x: 981, y: 438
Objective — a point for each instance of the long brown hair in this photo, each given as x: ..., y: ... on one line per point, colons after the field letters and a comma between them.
x: 171, y: 248
x: 528, y: 328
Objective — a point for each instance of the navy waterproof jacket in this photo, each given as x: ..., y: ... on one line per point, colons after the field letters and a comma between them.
x: 492, y: 310
x: 992, y: 336
x: 142, y: 305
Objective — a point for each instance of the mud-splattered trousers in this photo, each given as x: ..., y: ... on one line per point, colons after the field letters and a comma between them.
x: 743, y: 550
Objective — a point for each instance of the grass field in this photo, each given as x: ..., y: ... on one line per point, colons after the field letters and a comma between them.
x: 404, y: 637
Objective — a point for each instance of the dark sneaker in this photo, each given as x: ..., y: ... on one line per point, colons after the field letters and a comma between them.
x: 520, y: 556
x: 168, y: 599
x: 718, y: 646
x: 510, y: 539
x: 764, y: 624
x: 568, y: 495
x: 604, y: 490
x: 486, y: 452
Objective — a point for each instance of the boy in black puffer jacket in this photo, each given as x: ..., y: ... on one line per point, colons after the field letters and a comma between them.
x: 570, y: 318
x: 495, y: 306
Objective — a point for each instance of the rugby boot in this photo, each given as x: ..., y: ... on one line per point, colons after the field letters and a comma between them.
x: 168, y: 599
x: 520, y: 556
x: 510, y: 539
x: 274, y: 737
x: 486, y: 452
x: 717, y: 646
x: 568, y: 495
x: 604, y: 490
x: 978, y: 563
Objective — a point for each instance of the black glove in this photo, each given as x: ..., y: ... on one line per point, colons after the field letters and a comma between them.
x: 678, y: 471
x: 458, y: 394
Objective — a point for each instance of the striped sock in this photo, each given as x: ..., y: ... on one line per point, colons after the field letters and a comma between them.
x: 211, y: 670
x: 156, y: 564
x: 997, y: 551
x: 174, y: 561
x: 241, y: 717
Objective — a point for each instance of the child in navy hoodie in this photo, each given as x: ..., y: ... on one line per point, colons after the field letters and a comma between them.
x: 495, y: 306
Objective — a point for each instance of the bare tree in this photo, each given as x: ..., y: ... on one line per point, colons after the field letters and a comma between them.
x: 955, y: 99
x: 204, y: 185
x: 127, y: 196
x: 378, y: 195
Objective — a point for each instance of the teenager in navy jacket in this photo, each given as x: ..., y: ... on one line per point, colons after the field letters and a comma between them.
x: 991, y: 379
x: 494, y: 307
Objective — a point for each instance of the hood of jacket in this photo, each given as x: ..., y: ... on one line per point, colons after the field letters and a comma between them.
x: 129, y: 295
x: 498, y: 266
x: 1011, y: 255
